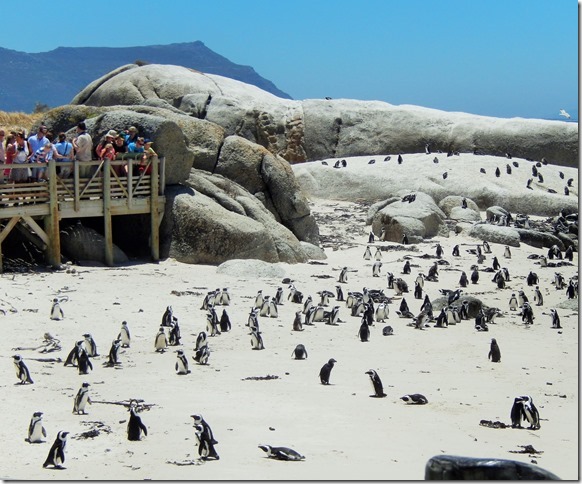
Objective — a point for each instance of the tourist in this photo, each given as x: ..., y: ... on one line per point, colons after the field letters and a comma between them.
x: 64, y: 154
x: 148, y: 153
x: 107, y: 139
x: 20, y: 174
x: 119, y: 144
x: 41, y: 155
x: 136, y: 147
x: 2, y: 154
x: 37, y: 140
x: 131, y: 135
x: 10, y: 153
x: 83, y: 145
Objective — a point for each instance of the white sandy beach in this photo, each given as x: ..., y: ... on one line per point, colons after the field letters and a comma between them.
x: 343, y: 433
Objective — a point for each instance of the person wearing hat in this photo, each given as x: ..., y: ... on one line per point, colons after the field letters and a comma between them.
x: 83, y: 144
x: 131, y: 135
x: 148, y: 152
x: 107, y: 139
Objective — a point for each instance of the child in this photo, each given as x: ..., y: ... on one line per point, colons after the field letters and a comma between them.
x: 148, y: 152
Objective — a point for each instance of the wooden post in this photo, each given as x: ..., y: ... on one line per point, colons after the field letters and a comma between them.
x: 129, y: 184
x: 107, y: 213
x: 154, y: 210
x: 52, y: 220
x: 76, y: 187
x: 162, y: 175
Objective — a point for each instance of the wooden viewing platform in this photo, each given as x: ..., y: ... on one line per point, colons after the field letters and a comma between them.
x: 104, y: 193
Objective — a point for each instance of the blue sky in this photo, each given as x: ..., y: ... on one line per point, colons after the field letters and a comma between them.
x: 493, y: 57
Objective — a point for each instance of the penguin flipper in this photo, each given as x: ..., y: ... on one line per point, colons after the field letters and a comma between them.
x: 44, y: 432
x: 144, y: 428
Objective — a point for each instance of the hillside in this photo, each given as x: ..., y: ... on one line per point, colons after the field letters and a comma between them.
x: 54, y: 77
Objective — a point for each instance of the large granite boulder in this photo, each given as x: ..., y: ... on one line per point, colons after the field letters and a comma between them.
x: 448, y: 203
x: 496, y: 234
x: 464, y: 214
x: 86, y: 245
x: 539, y: 239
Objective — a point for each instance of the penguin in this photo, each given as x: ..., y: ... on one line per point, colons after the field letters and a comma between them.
x: 371, y: 237
x: 273, y: 310
x: 406, y: 268
x: 201, y: 340
x: 571, y: 290
x: 181, y: 363
x: 538, y: 296
x: 555, y: 319
x: 528, y: 184
x: 56, y: 456
x: 400, y: 160
x: 212, y: 324
x: 364, y: 332
x: 463, y: 281
x: 343, y: 276
x: 569, y: 254
x: 168, y: 316
x: 513, y: 304
x: 124, y: 335
x: 22, y: 372
x: 433, y: 273
x: 90, y: 345
x: 82, y: 399
x: 300, y: 352
x: 307, y: 304
x: 527, y: 314
x: 405, y: 239
x: 206, y: 443
x: 507, y: 252
x: 387, y: 331
x: 441, y: 320
x: 112, y: 358
x: 199, y: 420
x: 417, y: 291
x: 325, y: 371
x: 225, y: 297
x: 500, y: 280
x: 439, y: 251
x: 36, y: 431
x: 404, y: 306
x: 339, y: 294
x: 256, y: 340
x: 559, y: 281
x: 297, y: 325
x: 264, y: 309
x: 161, y: 342
x: 259, y: 299
x: 56, y: 311
x: 435, y: 160
x: 378, y: 255
x: 376, y: 384
x: 486, y: 247
x: 427, y: 149
x: 464, y: 312
x: 390, y: 280
x: 420, y: 280
x: 414, y: 399
x: 253, y: 320
x: 540, y: 178
x: 278, y: 298
x: 344, y: 163
x: 84, y: 363
x: 517, y: 413
x: 381, y: 312
x: 475, y: 276
x: 530, y: 413
x: 521, y: 298
x: 508, y: 169
x: 367, y: 253
x: 376, y: 269
x: 225, y: 325
x: 494, y: 352
x: 570, y: 181
x: 201, y: 356
x: 445, y: 175
x: 482, y: 170
x: 495, y: 264
x: 281, y: 453
x: 73, y: 357
x: 135, y: 426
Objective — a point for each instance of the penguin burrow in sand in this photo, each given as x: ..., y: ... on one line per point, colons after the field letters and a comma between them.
x: 36, y: 431
x: 281, y: 453
x: 22, y: 372
x: 494, y: 352
x: 82, y: 399
x: 135, y: 426
x: 56, y: 456
x: 414, y: 399
x: 300, y: 352
x: 376, y: 384
x: 325, y: 371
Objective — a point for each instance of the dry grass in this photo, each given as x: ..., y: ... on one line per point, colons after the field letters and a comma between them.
x: 16, y: 121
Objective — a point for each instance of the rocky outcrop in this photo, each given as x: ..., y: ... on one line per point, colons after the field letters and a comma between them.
x: 316, y: 129
x: 86, y: 245
x: 496, y: 234
x: 464, y: 214
x: 448, y: 203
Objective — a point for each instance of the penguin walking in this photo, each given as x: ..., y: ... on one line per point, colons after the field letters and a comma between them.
x: 555, y: 319
x: 90, y: 345
x: 82, y: 399
x: 206, y: 449
x: 538, y: 297
x: 225, y: 324
x: 400, y: 159
x: 494, y: 352
x: 161, y: 342
x: 343, y: 276
x: 464, y: 312
x: 22, y: 372
x: 325, y: 371
x: 56, y: 311
x: 181, y: 363
x: 73, y: 357
x: 300, y: 352
x: 174, y: 336
x: 135, y: 426
x: 256, y: 340
x: 376, y: 269
x: 253, y: 320
x: 202, y: 355
x: 521, y: 298
x: 113, y: 357
x: 212, y: 325
x: 56, y: 456
x: 367, y: 253
x: 36, y: 431
x: 124, y: 335
x: 376, y: 384
x: 281, y: 453
x: 414, y: 399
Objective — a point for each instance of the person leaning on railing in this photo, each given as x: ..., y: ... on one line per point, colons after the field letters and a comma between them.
x: 147, y: 154
x: 83, y: 145
x: 64, y: 153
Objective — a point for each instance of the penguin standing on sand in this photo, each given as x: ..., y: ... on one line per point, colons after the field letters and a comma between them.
x: 36, y: 431
x: 124, y: 335
x: 73, y: 357
x: 463, y: 281
x: 456, y: 252
x: 206, y: 448
x: 161, y: 342
x: 417, y: 291
x: 278, y: 298
x: 297, y: 325
x: 507, y: 252
x: 56, y: 456
x: 325, y: 371
x: 494, y: 352
x: 364, y: 332
x: 202, y: 355
x: 84, y: 363
x: 113, y: 358
x: 475, y: 276
x: 90, y: 345
x: 406, y: 268
x: 168, y: 317
x: 521, y: 298
x: 225, y: 325
x: 206, y: 438
x: 538, y: 296
x: 174, y: 337
x: 181, y: 363
x: 300, y: 352
x: 343, y: 276
x: 530, y: 413
x: 82, y: 399
x: 259, y: 299
x: 376, y: 269
x: 367, y: 253
x: 135, y: 426
x: 517, y: 413
x: 378, y: 254
x: 22, y: 372
x: 405, y: 239
x: 376, y: 383
x: 339, y: 294
x: 389, y: 280
x: 513, y: 305
x: 555, y: 319
x: 256, y: 340
x: 56, y: 311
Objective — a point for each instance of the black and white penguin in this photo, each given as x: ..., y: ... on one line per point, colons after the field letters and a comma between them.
x: 364, y: 331
x: 400, y: 160
x: 22, y: 372
x: 206, y: 448
x: 281, y: 453
x: 264, y: 309
x: 495, y: 264
x: 325, y: 371
x: 135, y: 426
x: 433, y: 273
x: 376, y: 269
x: 225, y: 297
x: 387, y: 331
x: 427, y: 149
x: 376, y: 384
x: 414, y: 399
x: 464, y: 311
x: 82, y: 399
x: 90, y: 345
x: 181, y: 363
x: 508, y: 169
x: 339, y: 294
x: 56, y: 311
x: 307, y: 304
x: 382, y: 312
x: 390, y: 280
x: 420, y: 279
x: 486, y: 247
x: 441, y: 320
x: 540, y: 178
x: 202, y: 355
x: 84, y: 363
x: 406, y: 268
x: 507, y: 252
x: 256, y: 340
x: 297, y: 325
x: 124, y: 335
x: 253, y: 319
x: 530, y: 413
x: 224, y: 323
x: 534, y: 170
x: 371, y: 237
x: 73, y: 357
x: 569, y: 254
x: 417, y: 291
x: 572, y: 290
x: 343, y: 276
x: 199, y: 420
x: 522, y: 298
x: 475, y: 276
x: 273, y: 309
x: 463, y: 281
x: 532, y: 278
x: 113, y: 356
x: 405, y: 239
x: 378, y: 254
x: 400, y: 286
x: 324, y: 297
x: 212, y: 324
x: 332, y: 317
x: 278, y: 298
x: 517, y: 413
x: 56, y: 456
x: 168, y: 316
x: 494, y: 352
x: 559, y: 281
x: 456, y: 252
x: 513, y: 304
x: 527, y: 313
x: 367, y: 253
x: 555, y: 319
x: 538, y: 296
x: 36, y: 431
x: 300, y: 352
x: 161, y: 341
x: 435, y: 160
x: 259, y: 299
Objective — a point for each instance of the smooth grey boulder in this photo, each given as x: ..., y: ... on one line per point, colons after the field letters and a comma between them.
x: 313, y: 252
x: 496, y: 211
x: 378, y: 206
x: 475, y: 304
x: 396, y: 226
x: 255, y: 268
x: 451, y: 201
x: 464, y: 214
x: 85, y: 244
x: 496, y: 234
x: 539, y: 239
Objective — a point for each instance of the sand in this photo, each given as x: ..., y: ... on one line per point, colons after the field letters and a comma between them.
x: 343, y: 433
